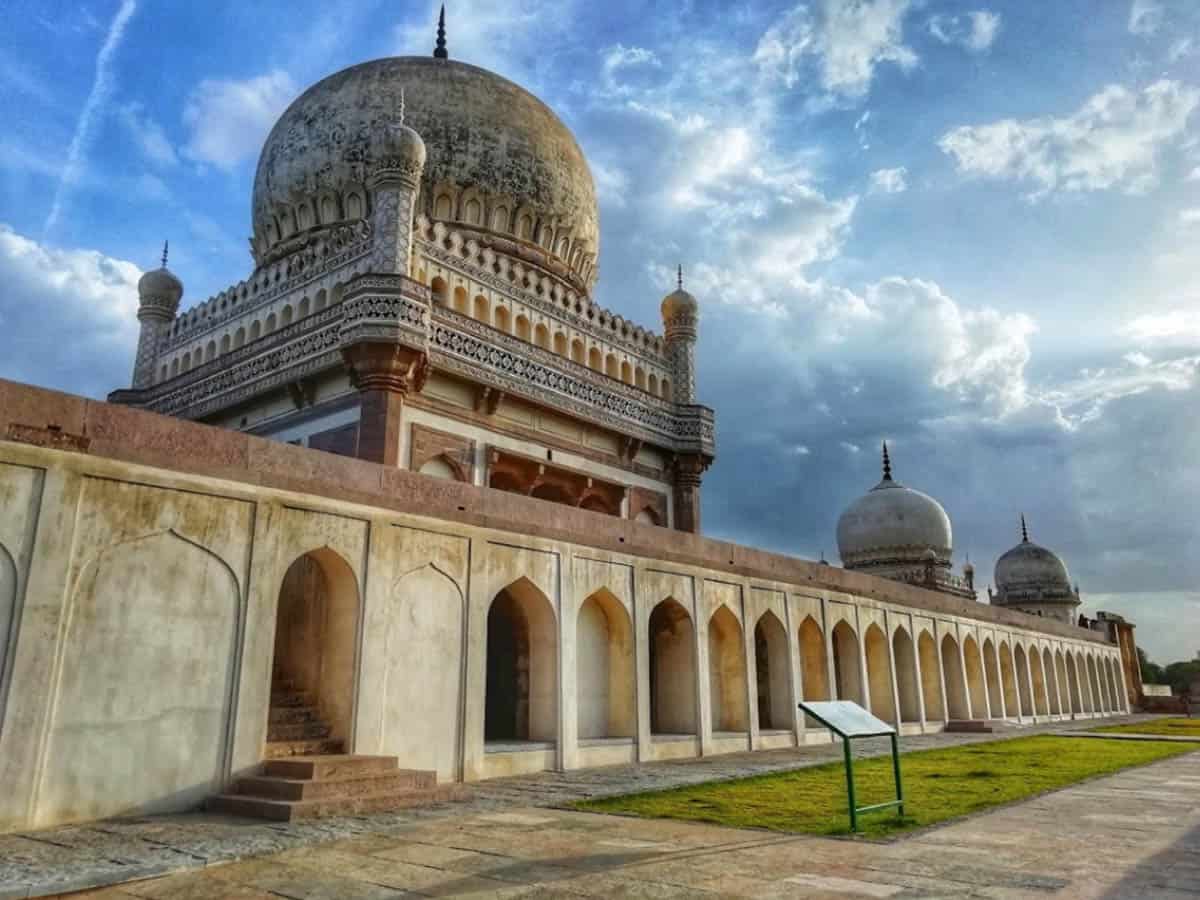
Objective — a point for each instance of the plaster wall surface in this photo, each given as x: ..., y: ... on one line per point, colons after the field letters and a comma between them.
x: 144, y: 564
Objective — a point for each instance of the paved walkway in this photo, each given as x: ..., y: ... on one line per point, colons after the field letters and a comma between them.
x: 1134, y: 834
x: 109, y: 853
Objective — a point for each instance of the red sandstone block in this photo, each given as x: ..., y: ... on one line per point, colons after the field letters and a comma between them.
x: 23, y: 404
x: 330, y: 767
x: 138, y: 436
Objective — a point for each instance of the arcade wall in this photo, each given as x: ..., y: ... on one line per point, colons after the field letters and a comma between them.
x: 144, y: 562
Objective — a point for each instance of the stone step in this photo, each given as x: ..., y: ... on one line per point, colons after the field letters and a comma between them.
x: 284, y: 749
x: 291, y: 698
x: 287, y: 810
x: 969, y: 726
x: 289, y: 715
x: 397, y: 781
x: 329, y: 767
x: 298, y: 731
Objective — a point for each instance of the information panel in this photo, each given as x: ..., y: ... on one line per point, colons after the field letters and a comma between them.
x: 847, y: 718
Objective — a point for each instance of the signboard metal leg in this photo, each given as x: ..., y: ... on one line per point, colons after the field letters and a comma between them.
x: 850, y: 784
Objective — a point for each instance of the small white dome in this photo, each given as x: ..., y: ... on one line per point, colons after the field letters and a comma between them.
x: 1028, y: 568
x: 893, y: 523
x: 160, y: 284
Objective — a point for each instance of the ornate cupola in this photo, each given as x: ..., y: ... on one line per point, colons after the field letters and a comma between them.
x: 1034, y: 580
x: 159, y: 293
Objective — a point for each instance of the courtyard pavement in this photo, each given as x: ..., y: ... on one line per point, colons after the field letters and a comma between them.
x: 1127, y: 835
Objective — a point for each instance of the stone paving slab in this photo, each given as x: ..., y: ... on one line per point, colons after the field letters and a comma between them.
x: 112, y: 852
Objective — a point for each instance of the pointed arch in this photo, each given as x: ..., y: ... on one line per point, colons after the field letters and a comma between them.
x: 879, y: 674
x: 604, y: 668
x: 772, y: 676
x: 422, y: 641
x: 1073, y: 684
x: 931, y: 678
x: 991, y: 673
x: 672, y: 669
x: 976, y: 687
x: 8, y: 618
x: 847, y: 673
x: 1041, y: 704
x: 521, y: 694
x: 907, y: 688
x: 1022, y: 666
x: 727, y: 671
x: 814, y: 664
x: 1008, y: 682
x: 956, y: 685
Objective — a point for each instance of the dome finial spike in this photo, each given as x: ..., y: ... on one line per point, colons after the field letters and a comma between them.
x: 679, y: 277
x: 439, y: 52
x: 164, y: 257
x: 1024, y: 530
x: 887, y: 464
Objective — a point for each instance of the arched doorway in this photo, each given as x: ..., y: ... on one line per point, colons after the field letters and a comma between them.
x: 931, y: 679
x: 879, y: 674
x: 314, y: 664
x: 672, y: 670
x: 604, y: 672
x: 1008, y: 682
x: 727, y: 672
x: 907, y: 688
x: 1073, y: 683
x: 1064, y: 692
x: 521, y: 698
x: 1097, y: 689
x: 992, y: 672
x: 956, y: 688
x: 975, y: 679
x: 846, y: 672
x: 771, y: 674
x: 1114, y: 676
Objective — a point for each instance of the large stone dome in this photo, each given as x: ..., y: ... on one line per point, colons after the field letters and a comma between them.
x: 892, y: 523
x: 1029, y: 569
x: 499, y: 160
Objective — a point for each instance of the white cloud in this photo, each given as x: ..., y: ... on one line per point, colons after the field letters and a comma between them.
x: 1112, y: 141
x: 890, y: 181
x: 1145, y: 17
x: 1179, y: 49
x: 228, y: 120
x: 93, y: 107
x: 1194, y: 175
x: 851, y: 448
x: 58, y: 300
x: 148, y: 135
x: 621, y: 59
x: 974, y: 31
x: 1171, y: 326
x: 847, y: 38
x: 1189, y: 218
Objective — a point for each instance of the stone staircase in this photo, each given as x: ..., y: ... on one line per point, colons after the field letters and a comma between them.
x: 295, y: 727
x: 300, y: 787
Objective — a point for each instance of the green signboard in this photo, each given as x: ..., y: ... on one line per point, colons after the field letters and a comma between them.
x: 848, y: 720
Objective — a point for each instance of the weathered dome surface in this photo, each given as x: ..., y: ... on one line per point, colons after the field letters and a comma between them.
x: 498, y: 158
x: 1029, y: 568
x: 160, y: 284
x: 893, y: 522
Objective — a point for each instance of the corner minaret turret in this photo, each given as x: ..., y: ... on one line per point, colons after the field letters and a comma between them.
x: 681, y: 316
x: 159, y: 293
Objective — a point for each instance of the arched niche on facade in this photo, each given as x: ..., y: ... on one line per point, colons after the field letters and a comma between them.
x: 847, y: 673
x: 8, y: 612
x: 1037, y: 676
x: 879, y: 674
x: 955, y: 678
x: 931, y: 678
x: 907, y: 685
x: 772, y: 677
x: 727, y: 672
x: 991, y: 671
x: 1073, y: 684
x: 1097, y: 688
x: 1021, y: 663
x: 672, y: 670
x: 147, y: 661
x: 440, y: 467
x: 521, y: 697
x: 1051, y: 682
x: 605, y: 666
x: 1008, y: 681
x: 976, y: 683
x: 316, y: 636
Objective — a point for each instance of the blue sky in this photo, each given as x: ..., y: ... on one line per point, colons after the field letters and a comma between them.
x: 969, y: 228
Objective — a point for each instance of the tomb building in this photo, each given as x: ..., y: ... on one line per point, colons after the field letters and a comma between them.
x: 1034, y: 580
x: 425, y: 239
x: 900, y: 533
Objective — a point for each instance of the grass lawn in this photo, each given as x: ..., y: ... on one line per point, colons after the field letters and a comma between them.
x: 1177, y: 727
x: 938, y: 785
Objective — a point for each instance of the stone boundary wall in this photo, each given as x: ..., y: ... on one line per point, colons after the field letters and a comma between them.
x: 33, y: 415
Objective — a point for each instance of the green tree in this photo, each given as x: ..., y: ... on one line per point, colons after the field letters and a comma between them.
x: 1181, y: 675
x: 1152, y: 673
